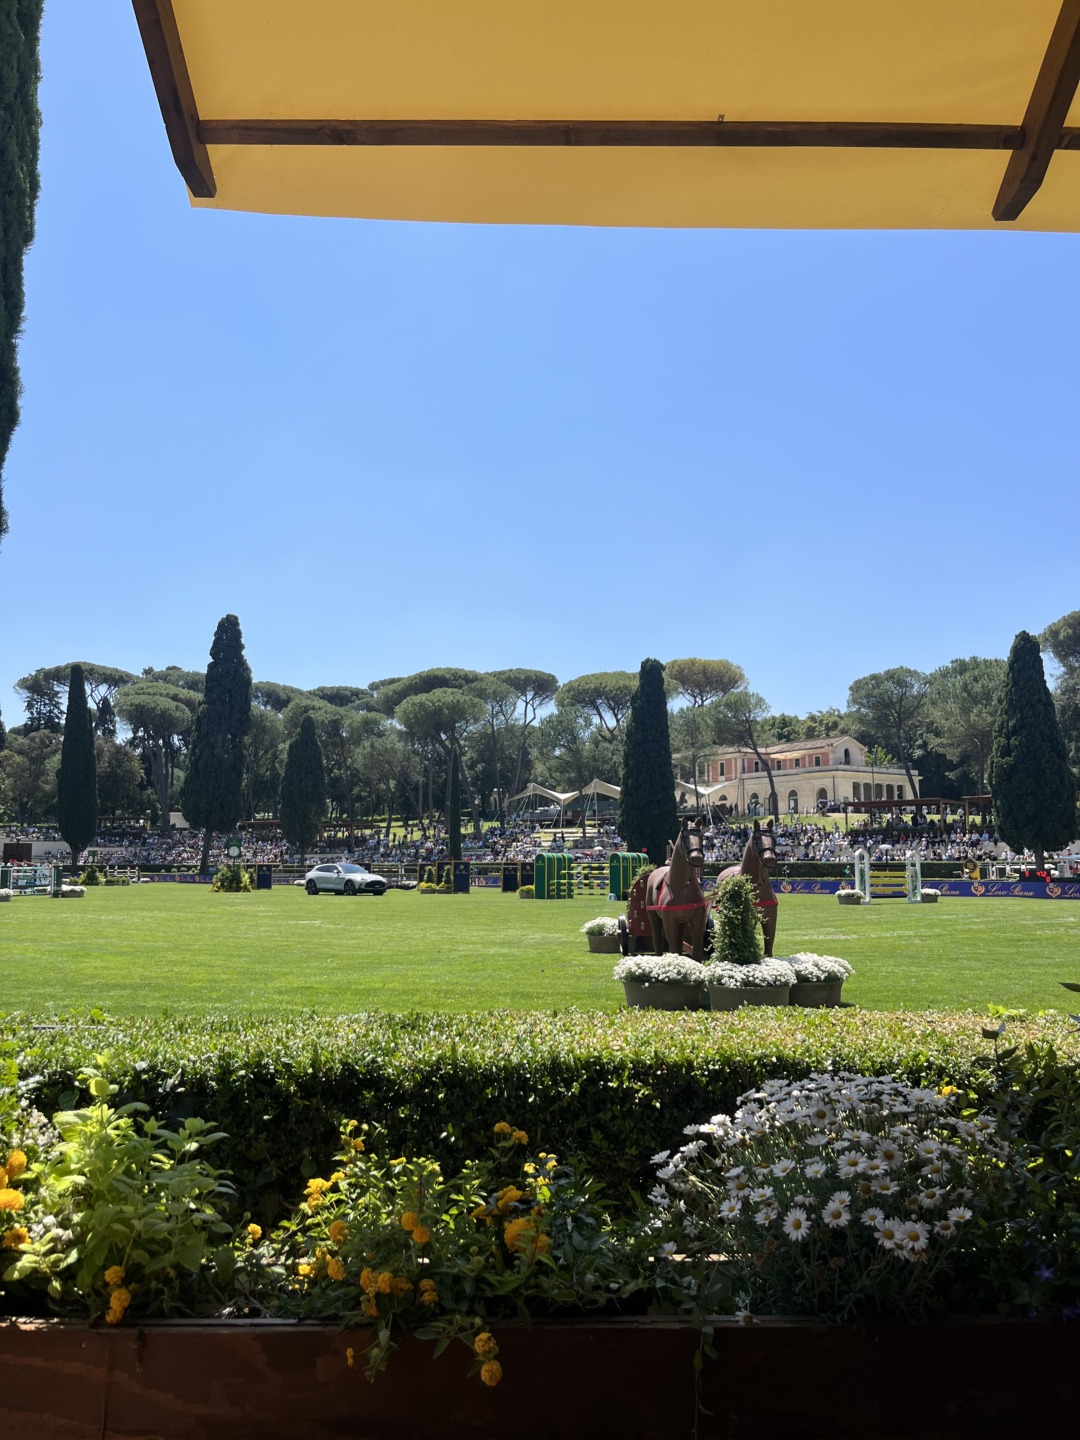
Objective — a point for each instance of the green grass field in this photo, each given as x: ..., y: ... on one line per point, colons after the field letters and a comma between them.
x: 153, y: 948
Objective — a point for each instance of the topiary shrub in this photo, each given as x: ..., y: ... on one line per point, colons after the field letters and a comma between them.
x: 430, y: 877
x: 91, y: 876
x: 232, y: 880
x: 737, y: 926
x: 526, y: 892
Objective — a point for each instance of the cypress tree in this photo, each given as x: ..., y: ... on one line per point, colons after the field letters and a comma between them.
x: 647, y: 815
x: 302, y: 804
x: 76, y: 783
x: 453, y: 809
x: 1033, y: 788
x: 20, y: 125
x: 212, y: 793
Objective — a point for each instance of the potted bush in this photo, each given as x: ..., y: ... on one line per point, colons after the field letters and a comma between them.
x: 662, y: 982
x: 428, y: 885
x: 818, y: 979
x: 737, y: 974
x: 526, y: 892
x: 602, y: 935
x: 768, y: 982
x: 847, y: 896
x: 929, y: 897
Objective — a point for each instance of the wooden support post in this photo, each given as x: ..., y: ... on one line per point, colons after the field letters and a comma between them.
x: 168, y: 69
x: 1044, y: 121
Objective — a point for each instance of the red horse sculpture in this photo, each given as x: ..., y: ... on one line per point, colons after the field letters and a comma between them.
x: 758, y: 859
x: 674, y: 898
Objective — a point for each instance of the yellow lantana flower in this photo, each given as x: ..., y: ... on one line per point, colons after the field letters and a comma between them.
x: 11, y: 1200
x: 16, y: 1236
x: 410, y: 1220
x: 485, y: 1345
x: 16, y: 1164
x: 502, y: 1128
x: 520, y: 1137
x: 337, y: 1232
x: 491, y: 1372
x: 421, y: 1235
x: 508, y: 1196
x: 335, y: 1269
x: 254, y: 1233
x: 114, y: 1275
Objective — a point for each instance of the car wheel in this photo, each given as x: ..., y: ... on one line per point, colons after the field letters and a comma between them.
x: 311, y: 888
x: 349, y: 888
x: 379, y: 892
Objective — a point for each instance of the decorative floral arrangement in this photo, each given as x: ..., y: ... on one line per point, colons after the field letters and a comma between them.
x: 929, y: 890
x: 7, y: 894
x: 810, y: 968
x: 841, y: 1196
x: 764, y: 975
x: 526, y: 892
x: 602, y: 925
x: 848, y: 890
x: 662, y: 970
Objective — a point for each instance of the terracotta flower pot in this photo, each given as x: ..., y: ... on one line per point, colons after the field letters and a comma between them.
x: 663, y: 997
x: 727, y: 997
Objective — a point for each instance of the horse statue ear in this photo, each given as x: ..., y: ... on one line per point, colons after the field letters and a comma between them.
x: 757, y: 826
x: 670, y: 849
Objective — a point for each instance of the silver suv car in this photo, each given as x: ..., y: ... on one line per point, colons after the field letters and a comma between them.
x: 343, y: 879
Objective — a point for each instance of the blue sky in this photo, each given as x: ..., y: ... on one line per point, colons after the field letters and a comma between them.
x: 387, y: 446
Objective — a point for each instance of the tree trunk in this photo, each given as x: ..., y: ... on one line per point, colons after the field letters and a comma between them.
x: 389, y: 806
x: 774, y: 802
x: 204, y: 862
x: 160, y: 780
x: 1040, y: 858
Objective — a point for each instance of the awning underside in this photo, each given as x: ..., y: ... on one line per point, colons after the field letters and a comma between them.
x: 843, y: 113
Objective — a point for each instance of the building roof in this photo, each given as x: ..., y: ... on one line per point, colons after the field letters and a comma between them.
x: 925, y: 114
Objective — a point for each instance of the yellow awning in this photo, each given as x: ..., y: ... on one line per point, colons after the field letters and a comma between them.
x: 771, y: 113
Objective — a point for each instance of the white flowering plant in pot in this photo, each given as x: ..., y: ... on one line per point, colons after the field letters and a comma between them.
x: 602, y: 925
x: 661, y: 970
x: 765, y: 975
x: 841, y: 1196
x: 811, y: 969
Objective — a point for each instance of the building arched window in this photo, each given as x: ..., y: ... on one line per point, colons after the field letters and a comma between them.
x: 793, y: 802
x: 823, y: 797
x: 899, y: 792
x: 754, y: 802
x: 847, y: 756
x: 855, y: 791
x: 757, y: 766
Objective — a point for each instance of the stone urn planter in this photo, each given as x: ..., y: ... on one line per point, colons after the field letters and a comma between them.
x: 730, y: 997
x: 663, y: 996
x: 817, y: 994
x: 603, y: 944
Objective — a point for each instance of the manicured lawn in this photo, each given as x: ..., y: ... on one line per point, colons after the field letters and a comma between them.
x: 152, y: 948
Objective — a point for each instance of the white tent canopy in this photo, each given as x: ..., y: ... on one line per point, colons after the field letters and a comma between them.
x: 601, y: 787
x: 557, y: 797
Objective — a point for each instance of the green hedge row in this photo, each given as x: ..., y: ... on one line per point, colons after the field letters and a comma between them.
x: 610, y: 1090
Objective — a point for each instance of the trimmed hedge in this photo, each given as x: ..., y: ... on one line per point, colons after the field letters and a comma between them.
x: 610, y: 1090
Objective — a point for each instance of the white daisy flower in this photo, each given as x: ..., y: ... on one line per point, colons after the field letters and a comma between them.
x: 884, y: 1186
x: 729, y: 1209
x: 914, y: 1235
x: 767, y: 1214
x: 936, y: 1169
x: 888, y: 1233
x: 743, y: 1317
x: 759, y: 1197
x: 814, y: 1169
x: 931, y: 1198
x: 928, y: 1148
x: 872, y: 1217
x: 945, y: 1227
x: 835, y: 1216
x: 734, y: 1172
x: 738, y: 1186
x: 796, y: 1225
x: 659, y: 1159
x: 840, y: 1197
x: 782, y: 1168
x: 959, y: 1213
x: 850, y: 1163
x: 874, y: 1166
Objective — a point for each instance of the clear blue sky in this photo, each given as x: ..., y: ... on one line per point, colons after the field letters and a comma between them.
x: 387, y: 446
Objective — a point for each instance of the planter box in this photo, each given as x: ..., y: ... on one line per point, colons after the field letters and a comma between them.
x: 663, y: 997
x: 604, y: 944
x: 853, y: 899
x: 726, y: 997
x: 817, y: 994
x: 628, y: 1378
x: 929, y: 899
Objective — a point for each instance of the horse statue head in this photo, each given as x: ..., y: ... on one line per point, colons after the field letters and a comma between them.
x: 762, y: 846
x: 674, y: 898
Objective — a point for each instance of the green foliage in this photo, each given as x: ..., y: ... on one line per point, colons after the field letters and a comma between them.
x: 20, y: 125
x: 1033, y: 787
x: 1062, y: 639
x: 891, y: 708
x: 232, y: 880
x: 526, y: 892
x: 429, y: 876
x: 91, y: 876
x: 609, y: 1090
x: 76, y: 781
x: 737, y: 938
x: 647, y: 811
x: 302, y: 807
x: 211, y: 797
x: 125, y: 1193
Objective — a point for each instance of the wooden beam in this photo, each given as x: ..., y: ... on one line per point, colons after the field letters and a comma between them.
x: 824, y: 134
x: 168, y: 69
x: 1050, y: 101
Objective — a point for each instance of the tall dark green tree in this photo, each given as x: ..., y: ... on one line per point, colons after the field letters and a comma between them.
x: 212, y: 794
x: 647, y: 813
x: 302, y: 803
x: 453, y: 808
x: 1033, y: 788
x: 76, y: 782
x: 20, y: 124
